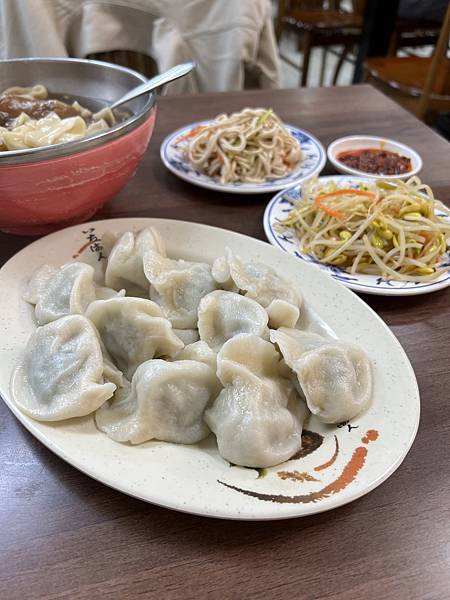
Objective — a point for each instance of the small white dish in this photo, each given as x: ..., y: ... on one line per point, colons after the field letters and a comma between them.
x: 338, y: 464
x: 279, y: 207
x: 360, y: 142
x: 313, y: 161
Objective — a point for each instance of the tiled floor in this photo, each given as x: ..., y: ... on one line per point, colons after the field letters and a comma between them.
x: 290, y: 76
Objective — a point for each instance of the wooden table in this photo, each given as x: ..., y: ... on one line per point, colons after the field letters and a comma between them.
x: 63, y: 535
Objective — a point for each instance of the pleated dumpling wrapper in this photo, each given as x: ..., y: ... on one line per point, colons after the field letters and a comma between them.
x: 166, y: 402
x: 133, y: 330
x: 222, y: 315
x: 335, y: 376
x: 199, y: 351
x: 258, y: 416
x: 178, y: 286
x: 125, y: 267
x: 187, y: 336
x: 61, y: 373
x: 278, y: 296
x: 58, y: 292
x: 65, y: 290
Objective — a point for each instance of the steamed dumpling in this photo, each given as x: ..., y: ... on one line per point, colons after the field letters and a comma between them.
x: 258, y: 416
x: 178, y: 286
x: 199, y: 351
x: 166, y: 402
x: 61, y: 374
x: 261, y: 283
x: 187, y: 336
x: 60, y: 292
x: 125, y: 269
x: 335, y: 376
x: 110, y: 371
x: 105, y: 293
x: 222, y: 315
x: 38, y: 282
x: 133, y: 330
x: 282, y: 314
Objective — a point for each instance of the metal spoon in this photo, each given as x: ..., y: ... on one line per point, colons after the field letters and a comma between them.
x: 155, y: 82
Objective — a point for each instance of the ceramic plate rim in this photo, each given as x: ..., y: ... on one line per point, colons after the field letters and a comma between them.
x: 236, y: 189
x: 33, y: 427
x: 417, y: 290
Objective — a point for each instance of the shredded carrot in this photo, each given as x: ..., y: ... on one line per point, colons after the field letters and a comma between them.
x: 333, y: 213
x: 191, y: 133
x: 346, y: 191
x: 427, y: 235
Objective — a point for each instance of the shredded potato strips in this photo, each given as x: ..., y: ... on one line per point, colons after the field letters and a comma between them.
x: 251, y: 146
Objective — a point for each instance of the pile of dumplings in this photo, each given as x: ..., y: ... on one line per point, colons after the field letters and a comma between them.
x: 171, y: 350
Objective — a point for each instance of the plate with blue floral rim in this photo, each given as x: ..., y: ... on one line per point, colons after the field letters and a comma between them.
x: 173, y: 156
x: 284, y: 238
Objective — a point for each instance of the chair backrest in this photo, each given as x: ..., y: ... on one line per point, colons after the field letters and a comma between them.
x: 358, y: 7
x: 127, y: 58
x: 287, y: 8
x: 439, y: 67
x: 312, y: 4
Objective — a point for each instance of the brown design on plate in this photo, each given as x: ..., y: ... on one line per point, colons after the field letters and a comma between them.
x: 81, y: 250
x: 370, y: 436
x: 348, y: 474
x: 332, y: 459
x: 296, y: 476
x: 310, y: 442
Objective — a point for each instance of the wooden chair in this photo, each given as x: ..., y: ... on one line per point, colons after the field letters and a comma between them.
x: 422, y: 85
x: 133, y: 60
x: 321, y: 24
x: 413, y: 33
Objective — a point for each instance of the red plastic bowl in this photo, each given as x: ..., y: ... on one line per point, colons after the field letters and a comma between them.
x: 43, y: 196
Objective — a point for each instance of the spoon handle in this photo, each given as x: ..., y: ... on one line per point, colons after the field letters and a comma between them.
x: 155, y: 82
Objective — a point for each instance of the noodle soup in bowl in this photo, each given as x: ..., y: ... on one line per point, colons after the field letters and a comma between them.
x: 52, y: 186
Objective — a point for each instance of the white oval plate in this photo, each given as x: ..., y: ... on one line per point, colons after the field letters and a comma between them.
x: 344, y: 462
x: 314, y: 159
x: 281, y: 204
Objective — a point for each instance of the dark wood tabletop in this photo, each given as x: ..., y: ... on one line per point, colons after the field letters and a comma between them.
x: 64, y: 535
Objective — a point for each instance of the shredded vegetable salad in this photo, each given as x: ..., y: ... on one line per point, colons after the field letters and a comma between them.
x: 249, y: 147
x: 395, y: 229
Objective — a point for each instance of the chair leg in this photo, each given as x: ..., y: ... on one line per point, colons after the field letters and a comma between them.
x: 438, y: 59
x: 279, y: 20
x: 394, y: 44
x: 342, y: 57
x: 306, y: 46
x: 323, y: 65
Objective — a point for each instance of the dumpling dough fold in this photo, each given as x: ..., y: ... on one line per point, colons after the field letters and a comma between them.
x: 58, y: 292
x: 222, y: 315
x: 261, y: 283
x: 61, y: 374
x: 166, y: 402
x: 258, y: 416
x: 125, y: 262
x: 178, y: 286
x: 133, y: 330
x: 335, y: 376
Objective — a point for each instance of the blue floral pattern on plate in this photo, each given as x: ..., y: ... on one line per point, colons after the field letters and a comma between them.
x: 282, y: 203
x: 313, y: 161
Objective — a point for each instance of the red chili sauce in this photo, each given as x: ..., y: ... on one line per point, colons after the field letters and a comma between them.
x: 375, y: 161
